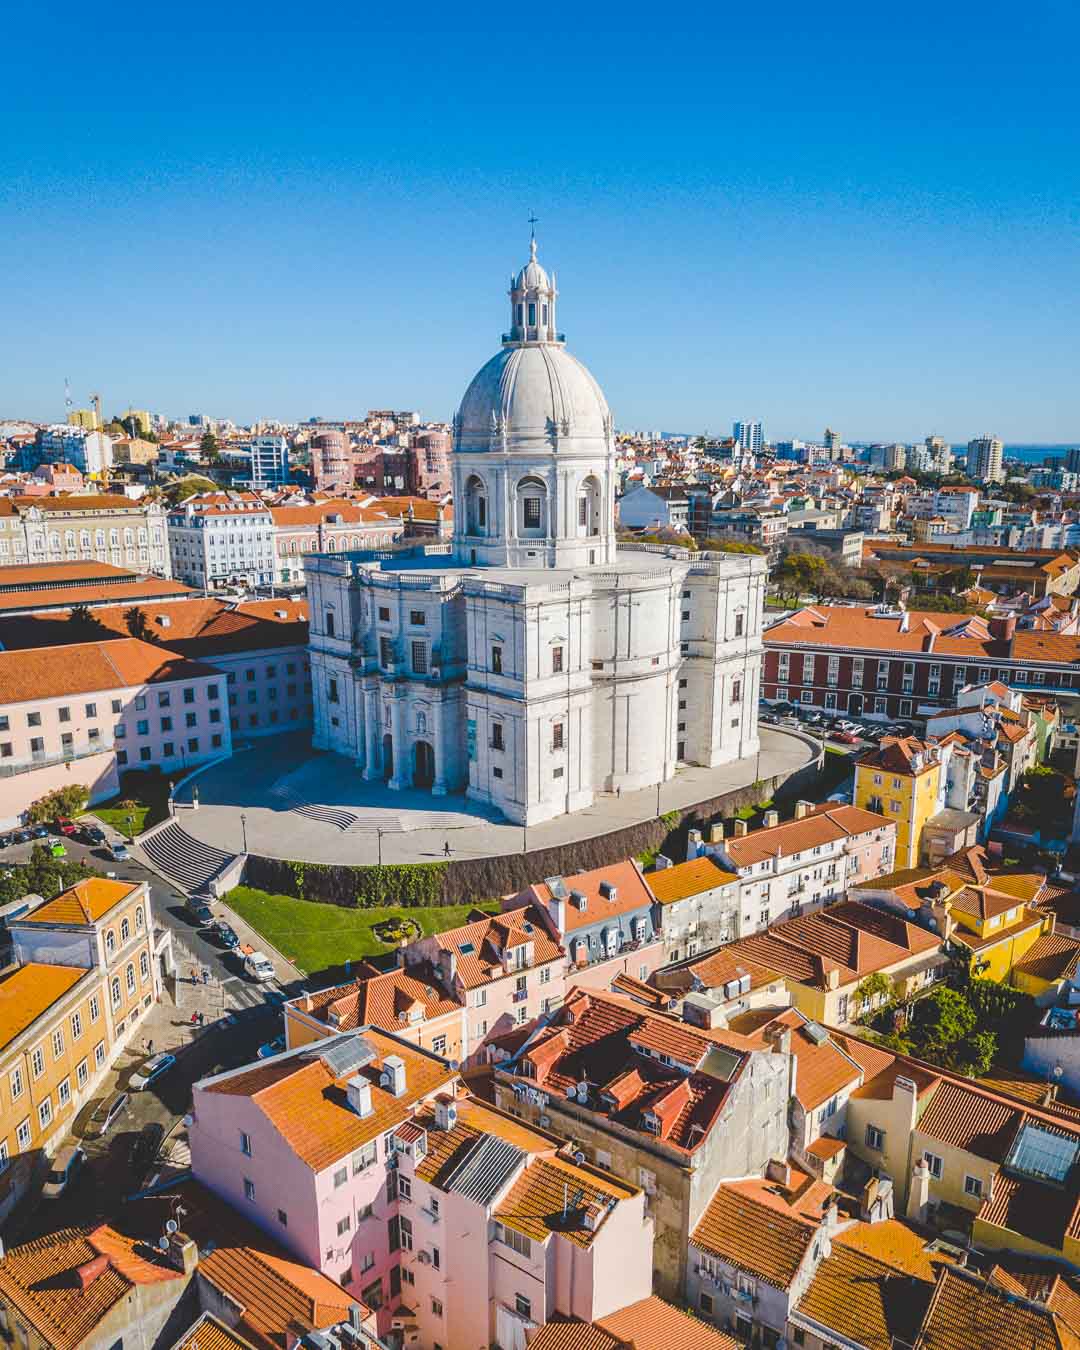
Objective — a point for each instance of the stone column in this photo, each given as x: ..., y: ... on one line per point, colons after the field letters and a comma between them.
x: 438, y: 745
x: 371, y: 730
x: 401, y: 775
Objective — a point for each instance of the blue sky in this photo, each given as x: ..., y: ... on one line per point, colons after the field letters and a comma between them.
x: 847, y: 214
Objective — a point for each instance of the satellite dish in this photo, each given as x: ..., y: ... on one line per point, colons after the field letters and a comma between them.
x: 163, y: 1243
x: 171, y: 1226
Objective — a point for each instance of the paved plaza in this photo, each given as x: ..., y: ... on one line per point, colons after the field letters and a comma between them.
x: 280, y: 799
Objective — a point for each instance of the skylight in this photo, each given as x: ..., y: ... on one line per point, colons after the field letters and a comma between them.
x: 1043, y: 1154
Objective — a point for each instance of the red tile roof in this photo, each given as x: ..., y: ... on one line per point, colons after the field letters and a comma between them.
x: 631, y: 892
x: 91, y: 667
x: 477, y: 947
x: 824, y: 826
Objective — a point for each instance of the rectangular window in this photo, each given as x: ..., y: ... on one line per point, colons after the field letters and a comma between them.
x: 417, y: 618
x: 82, y: 1074
x: 283, y: 1218
x: 63, y: 1093
x: 249, y: 1190
x: 556, y: 660
x: 496, y: 660
x: 875, y: 1138
x: 341, y: 1176
x: 332, y: 690
x: 16, y: 1081
x: 973, y: 1186
x: 557, y: 736
x: 99, y: 1054
x: 531, y: 507
x: 344, y: 1225
x: 736, y: 691
x: 497, y: 736
x: 23, y: 1135
x: 37, y: 1062
x: 45, y: 1113
x: 386, y: 652
x: 419, y: 658
x: 245, y: 1143
x: 57, y: 1043
x: 936, y: 1165
x: 523, y: 1305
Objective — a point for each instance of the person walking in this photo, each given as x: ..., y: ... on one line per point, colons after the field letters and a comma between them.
x: 150, y: 1047
x: 446, y: 849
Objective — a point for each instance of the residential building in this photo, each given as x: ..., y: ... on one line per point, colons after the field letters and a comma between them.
x: 672, y: 1108
x: 134, y: 450
x: 60, y: 476
x: 87, y: 967
x: 649, y: 1324
x: 902, y: 778
x: 823, y: 958
x: 327, y: 527
x: 755, y: 1250
x: 788, y: 869
x: 331, y: 460
x: 103, y: 528
x: 984, y: 462
x: 269, y: 462
x: 698, y: 903
x: 505, y: 970
x: 222, y: 539
x: 749, y: 435
x: 89, y: 450
x: 654, y: 508
x: 106, y: 706
x: 425, y: 671
x: 992, y: 913
x: 87, y: 418
x: 36, y: 589
x: 429, y: 473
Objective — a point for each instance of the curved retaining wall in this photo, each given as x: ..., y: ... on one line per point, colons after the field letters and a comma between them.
x: 467, y: 880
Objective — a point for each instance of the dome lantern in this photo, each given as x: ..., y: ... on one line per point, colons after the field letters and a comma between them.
x: 532, y: 304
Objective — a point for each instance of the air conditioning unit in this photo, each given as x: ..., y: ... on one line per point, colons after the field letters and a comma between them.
x: 424, y: 1258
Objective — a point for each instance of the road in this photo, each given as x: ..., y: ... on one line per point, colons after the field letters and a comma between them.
x: 242, y: 1017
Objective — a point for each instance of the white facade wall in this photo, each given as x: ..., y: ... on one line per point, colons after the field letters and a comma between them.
x: 209, y: 550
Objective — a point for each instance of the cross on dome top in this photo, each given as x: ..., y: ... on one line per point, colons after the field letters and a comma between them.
x: 532, y: 301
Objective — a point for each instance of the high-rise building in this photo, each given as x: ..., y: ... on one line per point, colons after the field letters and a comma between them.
x: 86, y: 418
x: 749, y: 435
x: 269, y: 461
x: 141, y: 419
x: 984, y: 460
x: 331, y: 460
x: 1072, y: 461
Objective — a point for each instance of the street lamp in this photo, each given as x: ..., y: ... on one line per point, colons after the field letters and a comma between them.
x: 243, y: 828
x: 131, y: 835
x: 380, y: 834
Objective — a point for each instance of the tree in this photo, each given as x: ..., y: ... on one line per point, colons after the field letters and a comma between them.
x: 208, y: 446
x: 70, y: 800
x: 182, y: 488
x: 940, y: 1020
x: 873, y: 989
x: 976, y: 1053
x: 42, y: 875
x: 798, y: 574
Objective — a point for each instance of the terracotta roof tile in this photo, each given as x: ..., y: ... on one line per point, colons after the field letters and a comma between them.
x: 28, y: 992
x: 631, y: 892
x: 1051, y: 957
x: 534, y: 1204
x: 650, y: 1324
x: 767, y: 1241
x: 975, y: 1121
x: 683, y: 880
x: 477, y: 946
x: 91, y: 667
x: 969, y: 1313
x: 85, y: 902
x: 210, y: 1334
x: 798, y: 836
x: 864, y: 1300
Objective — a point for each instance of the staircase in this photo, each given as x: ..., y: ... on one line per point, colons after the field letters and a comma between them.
x: 187, y: 861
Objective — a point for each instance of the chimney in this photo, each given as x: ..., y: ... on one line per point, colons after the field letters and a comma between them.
x: 919, y: 1191
x: 448, y: 964
x: 356, y: 1317
x: 803, y: 808
x: 778, y: 1170
x: 358, y: 1094
x: 694, y: 846
x: 741, y: 829
x: 662, y: 862
x: 393, y: 1075
x: 770, y: 819
x: 557, y: 910
x: 445, y: 1112
x: 89, y: 1272
x: 716, y: 832
x: 183, y: 1254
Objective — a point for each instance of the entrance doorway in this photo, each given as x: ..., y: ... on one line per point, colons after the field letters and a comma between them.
x: 854, y: 705
x: 387, y: 757
x: 423, y: 764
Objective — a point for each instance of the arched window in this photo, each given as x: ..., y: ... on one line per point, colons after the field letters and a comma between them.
x: 331, y: 547
x: 54, y: 541
x: 69, y: 538
x: 84, y: 539
x: 531, y: 508
x: 589, y: 507
x: 476, y: 507
x: 115, y: 991
x: 110, y: 942
x: 125, y: 930
x: 139, y: 920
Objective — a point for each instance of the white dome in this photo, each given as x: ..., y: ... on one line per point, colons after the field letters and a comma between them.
x: 532, y: 394
x: 532, y: 277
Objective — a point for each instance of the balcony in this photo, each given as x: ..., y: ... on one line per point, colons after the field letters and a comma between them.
x: 68, y: 756
x: 429, y: 1214
x: 520, y: 995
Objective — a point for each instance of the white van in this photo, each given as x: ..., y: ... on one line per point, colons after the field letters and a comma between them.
x: 258, y: 966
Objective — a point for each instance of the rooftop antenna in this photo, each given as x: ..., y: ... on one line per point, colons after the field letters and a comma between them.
x: 67, y: 393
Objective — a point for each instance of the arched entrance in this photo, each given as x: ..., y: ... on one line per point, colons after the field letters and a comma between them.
x: 854, y: 705
x: 423, y: 764
x: 387, y: 757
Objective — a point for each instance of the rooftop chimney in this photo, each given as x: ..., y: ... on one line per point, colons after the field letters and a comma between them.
x: 716, y: 832
x: 803, y: 808
x: 445, y: 1112
x: 393, y: 1075
x: 770, y: 819
x: 662, y: 862
x: 778, y: 1170
x: 741, y: 829
x: 89, y: 1272
x: 358, y: 1094
x: 183, y: 1254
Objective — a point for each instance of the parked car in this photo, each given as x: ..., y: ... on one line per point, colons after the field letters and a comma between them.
x: 259, y: 966
x: 202, y: 916
x: 93, y: 834
x: 226, y: 935
x: 65, y: 1168
x: 105, y: 1116
x: 38, y: 831
x: 6, y: 840
x: 120, y: 852
x: 58, y: 849
x: 151, y: 1071
x: 23, y: 836
x: 271, y: 1048
x: 844, y: 737
x: 63, y: 825
x: 145, y: 1145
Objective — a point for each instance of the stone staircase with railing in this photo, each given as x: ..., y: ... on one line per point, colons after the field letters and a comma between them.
x: 175, y: 854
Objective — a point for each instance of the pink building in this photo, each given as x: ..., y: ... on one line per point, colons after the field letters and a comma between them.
x: 60, y: 477
x: 331, y: 460
x: 429, y: 464
x: 459, y: 1225
x: 80, y: 713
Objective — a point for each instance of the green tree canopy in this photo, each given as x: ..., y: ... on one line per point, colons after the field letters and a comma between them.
x: 69, y: 800
x: 208, y: 446
x: 941, y: 1019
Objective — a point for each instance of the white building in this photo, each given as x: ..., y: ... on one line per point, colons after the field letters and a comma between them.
x: 984, y: 460
x: 222, y: 538
x: 269, y: 462
x: 90, y: 451
x: 749, y: 435
x: 529, y: 662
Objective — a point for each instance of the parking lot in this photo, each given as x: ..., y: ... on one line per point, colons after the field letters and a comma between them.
x: 834, y: 727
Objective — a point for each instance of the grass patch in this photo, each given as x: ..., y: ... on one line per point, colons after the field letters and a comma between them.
x: 319, y: 937
x: 147, y: 801
x: 755, y: 808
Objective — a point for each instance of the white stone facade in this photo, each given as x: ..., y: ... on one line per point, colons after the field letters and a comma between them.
x: 531, y: 663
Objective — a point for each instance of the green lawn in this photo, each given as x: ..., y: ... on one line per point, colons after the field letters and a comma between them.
x: 319, y: 937
x: 117, y: 817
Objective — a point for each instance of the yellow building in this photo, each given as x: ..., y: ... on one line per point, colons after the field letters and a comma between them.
x: 142, y: 420
x: 86, y: 418
x: 901, y: 780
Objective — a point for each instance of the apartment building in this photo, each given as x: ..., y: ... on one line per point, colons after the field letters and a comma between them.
x: 102, y: 528
x: 903, y: 779
x: 822, y: 959
x: 93, y: 708
x: 269, y: 462
x: 673, y: 1108
x: 790, y: 868
x: 222, y: 538
x: 605, y: 919
x: 505, y: 970
x: 88, y: 966
x: 698, y: 905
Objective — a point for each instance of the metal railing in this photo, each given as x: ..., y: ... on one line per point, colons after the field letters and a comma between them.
x: 44, y: 761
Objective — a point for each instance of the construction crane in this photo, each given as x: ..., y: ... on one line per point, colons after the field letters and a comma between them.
x: 95, y: 399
